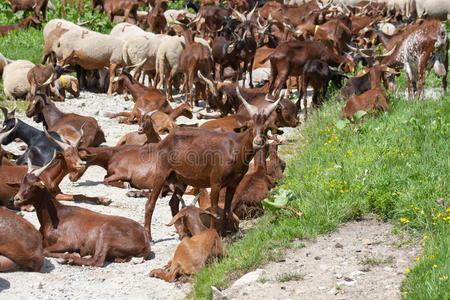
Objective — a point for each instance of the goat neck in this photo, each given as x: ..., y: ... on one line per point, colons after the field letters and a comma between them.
x: 51, y: 114
x: 25, y: 132
x: 260, y: 160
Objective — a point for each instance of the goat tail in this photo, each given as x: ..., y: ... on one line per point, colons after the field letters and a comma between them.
x: 126, y: 57
x: 265, y: 59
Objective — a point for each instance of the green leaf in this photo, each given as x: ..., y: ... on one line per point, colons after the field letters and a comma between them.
x: 359, y: 115
x: 340, y: 124
x: 279, y: 200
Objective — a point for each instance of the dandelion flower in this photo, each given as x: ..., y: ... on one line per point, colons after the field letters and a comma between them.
x: 407, y: 271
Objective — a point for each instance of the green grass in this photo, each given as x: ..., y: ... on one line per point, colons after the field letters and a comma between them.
x: 396, y: 166
x: 376, y: 261
x: 290, y: 276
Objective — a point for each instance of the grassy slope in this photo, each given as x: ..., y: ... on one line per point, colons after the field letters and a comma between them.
x: 396, y: 166
x: 407, y: 171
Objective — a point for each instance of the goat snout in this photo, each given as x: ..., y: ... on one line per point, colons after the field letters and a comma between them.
x: 259, y: 142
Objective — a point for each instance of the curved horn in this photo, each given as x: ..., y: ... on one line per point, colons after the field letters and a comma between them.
x: 63, y: 145
x: 139, y: 63
x: 241, y: 16
x: 39, y: 171
x: 13, y: 112
x: 175, y: 218
x: 77, y: 142
x: 271, y: 107
x: 252, y: 110
x: 29, y: 164
x: 49, y: 80
x: 351, y: 47
x: 250, y: 14
x: 389, y: 53
x: 208, y: 82
x: 5, y: 112
x: 3, y: 135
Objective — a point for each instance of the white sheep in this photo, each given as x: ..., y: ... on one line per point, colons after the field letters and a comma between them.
x: 433, y: 8
x: 15, y: 82
x: 168, y: 60
x: 52, y: 33
x: 59, y: 23
x: 127, y: 30
x: 91, y: 51
x: 171, y: 15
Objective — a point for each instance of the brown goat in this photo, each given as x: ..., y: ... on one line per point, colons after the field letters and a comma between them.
x: 204, y: 158
x: 191, y: 255
x: 36, y: 6
x: 75, y: 229
x: 27, y: 22
x: 40, y: 77
x: 373, y: 99
x: 192, y: 220
x: 146, y: 99
x: 20, y: 245
x: 67, y: 125
x: 165, y: 123
x: 155, y: 18
x: 145, y: 134
x: 195, y: 58
x: 126, y: 7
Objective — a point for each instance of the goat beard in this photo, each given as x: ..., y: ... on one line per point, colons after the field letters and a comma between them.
x: 439, y: 68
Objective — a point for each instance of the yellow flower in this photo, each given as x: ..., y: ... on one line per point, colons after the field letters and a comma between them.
x: 407, y: 271
x: 420, y: 180
x: 342, y: 191
x: 425, y: 237
x: 417, y: 258
x: 396, y: 130
x: 406, y: 292
x: 431, y: 256
x: 434, y: 266
x: 443, y: 278
x: 412, y: 205
x: 422, y: 212
x: 403, y: 139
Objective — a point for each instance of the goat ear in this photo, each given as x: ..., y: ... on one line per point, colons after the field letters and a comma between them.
x: 85, y: 155
x: 178, y: 216
x: 240, y: 129
x: 13, y: 184
x: 276, y: 131
x: 40, y: 184
x: 59, y: 155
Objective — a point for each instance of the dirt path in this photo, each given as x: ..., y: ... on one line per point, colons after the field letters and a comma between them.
x: 361, y: 260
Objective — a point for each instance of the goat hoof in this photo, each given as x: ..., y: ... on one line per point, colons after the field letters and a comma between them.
x: 61, y: 261
x: 104, y: 201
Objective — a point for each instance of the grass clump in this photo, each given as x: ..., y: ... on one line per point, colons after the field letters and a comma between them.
x: 376, y: 261
x: 290, y: 276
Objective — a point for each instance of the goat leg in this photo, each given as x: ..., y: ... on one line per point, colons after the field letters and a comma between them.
x: 151, y: 202
x: 83, y: 198
x: 7, y: 264
x: 226, y: 212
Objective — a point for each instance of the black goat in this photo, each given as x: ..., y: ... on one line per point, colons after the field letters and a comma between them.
x: 318, y: 74
x: 355, y: 85
x: 40, y: 148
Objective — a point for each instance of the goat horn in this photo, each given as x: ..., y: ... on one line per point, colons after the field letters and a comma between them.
x: 205, y: 212
x: 241, y: 16
x: 252, y: 110
x: 5, y: 112
x: 30, y: 166
x: 77, y: 142
x: 271, y: 107
x: 139, y: 63
x: 39, y: 171
x: 390, y: 52
x: 351, y: 47
x: 208, y: 82
x: 3, y: 135
x: 250, y: 14
x: 175, y: 218
x: 49, y: 80
x: 63, y: 145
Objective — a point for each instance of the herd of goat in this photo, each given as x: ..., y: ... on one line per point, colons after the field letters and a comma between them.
x: 212, y: 55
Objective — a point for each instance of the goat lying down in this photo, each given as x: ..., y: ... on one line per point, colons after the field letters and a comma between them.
x: 193, y: 252
x: 74, y: 229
